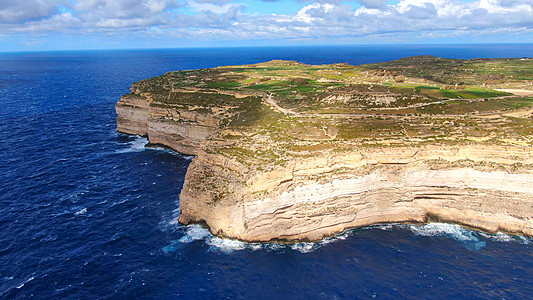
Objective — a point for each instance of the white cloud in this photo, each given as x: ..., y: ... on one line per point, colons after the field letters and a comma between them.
x: 379, y: 4
x: 23, y: 11
x: 226, y: 19
x: 218, y: 8
x: 123, y: 9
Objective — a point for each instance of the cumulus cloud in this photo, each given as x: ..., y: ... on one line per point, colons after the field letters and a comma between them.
x: 123, y: 9
x: 226, y: 19
x: 379, y: 4
x: 29, y: 10
x: 218, y: 8
x: 425, y: 11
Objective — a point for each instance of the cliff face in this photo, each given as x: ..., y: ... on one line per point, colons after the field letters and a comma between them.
x: 291, y: 160
x: 177, y: 127
x: 316, y: 197
x: 132, y: 114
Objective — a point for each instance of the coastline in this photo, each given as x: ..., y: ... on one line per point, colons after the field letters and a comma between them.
x: 240, y: 188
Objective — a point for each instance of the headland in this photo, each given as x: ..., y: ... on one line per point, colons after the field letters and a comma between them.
x: 289, y: 151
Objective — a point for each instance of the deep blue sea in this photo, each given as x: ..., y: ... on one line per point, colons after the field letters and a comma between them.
x: 87, y: 213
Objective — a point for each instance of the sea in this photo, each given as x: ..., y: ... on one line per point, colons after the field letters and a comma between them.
x: 89, y: 213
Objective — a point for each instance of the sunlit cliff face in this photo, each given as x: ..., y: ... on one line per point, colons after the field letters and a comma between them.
x: 288, y: 151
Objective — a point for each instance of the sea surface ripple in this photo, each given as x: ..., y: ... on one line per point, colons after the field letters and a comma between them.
x: 86, y: 212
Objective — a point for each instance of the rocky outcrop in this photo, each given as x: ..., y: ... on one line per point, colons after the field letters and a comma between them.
x: 312, y: 198
x: 308, y: 199
x: 179, y: 128
x: 279, y: 159
x: 133, y: 112
x: 175, y: 126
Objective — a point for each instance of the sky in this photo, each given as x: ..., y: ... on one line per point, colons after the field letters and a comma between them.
x: 30, y: 25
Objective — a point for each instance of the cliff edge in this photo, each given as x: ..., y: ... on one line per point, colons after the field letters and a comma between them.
x: 288, y: 151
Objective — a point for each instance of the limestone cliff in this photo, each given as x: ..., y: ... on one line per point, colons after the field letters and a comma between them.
x: 179, y: 127
x: 315, y: 197
x: 284, y: 154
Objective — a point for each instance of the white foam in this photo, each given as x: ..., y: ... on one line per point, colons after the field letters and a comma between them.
x: 172, y: 152
x: 228, y: 246
x: 174, y: 222
x: 453, y: 231
x: 523, y: 240
x: 442, y: 229
x: 498, y: 237
x: 273, y: 247
x: 256, y: 246
x: 81, y: 212
x: 194, y: 232
x: 502, y: 237
x: 137, y: 145
x: 171, y: 221
x: 225, y: 245
x: 303, y: 247
x: 505, y: 238
x: 22, y: 284
x: 386, y: 227
x: 471, y: 239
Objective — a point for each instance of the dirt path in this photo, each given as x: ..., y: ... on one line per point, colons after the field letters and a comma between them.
x: 270, y: 100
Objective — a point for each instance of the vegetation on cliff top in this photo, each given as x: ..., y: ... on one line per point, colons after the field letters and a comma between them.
x: 272, y: 111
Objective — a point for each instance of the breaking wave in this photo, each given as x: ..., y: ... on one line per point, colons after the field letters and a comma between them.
x: 136, y: 145
x: 81, y: 211
x: 196, y: 232
x: 140, y: 143
x: 456, y: 232
x: 170, y: 151
x: 471, y: 239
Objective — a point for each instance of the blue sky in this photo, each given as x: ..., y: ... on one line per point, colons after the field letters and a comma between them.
x: 28, y: 25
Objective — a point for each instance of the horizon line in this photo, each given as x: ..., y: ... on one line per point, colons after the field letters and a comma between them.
x: 257, y: 46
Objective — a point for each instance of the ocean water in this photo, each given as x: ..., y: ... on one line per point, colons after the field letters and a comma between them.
x: 87, y: 213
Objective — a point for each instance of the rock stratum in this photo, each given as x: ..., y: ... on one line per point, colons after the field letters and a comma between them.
x: 288, y: 151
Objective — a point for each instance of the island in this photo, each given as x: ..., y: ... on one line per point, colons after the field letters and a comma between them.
x: 286, y: 151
